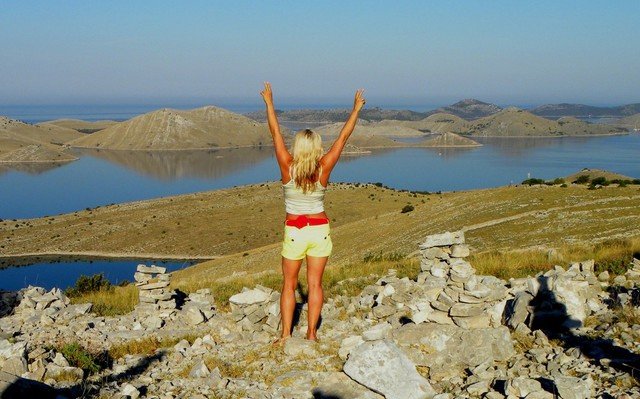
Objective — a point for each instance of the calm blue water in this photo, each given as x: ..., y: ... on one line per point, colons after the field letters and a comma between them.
x: 101, y: 178
x: 65, y: 274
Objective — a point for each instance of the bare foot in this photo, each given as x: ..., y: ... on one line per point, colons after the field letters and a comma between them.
x: 312, y: 337
x: 280, y: 341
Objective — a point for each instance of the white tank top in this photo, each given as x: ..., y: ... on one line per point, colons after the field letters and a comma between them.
x: 298, y: 203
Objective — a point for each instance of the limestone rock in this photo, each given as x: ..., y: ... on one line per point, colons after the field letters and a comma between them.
x: 382, y: 367
x: 444, y: 239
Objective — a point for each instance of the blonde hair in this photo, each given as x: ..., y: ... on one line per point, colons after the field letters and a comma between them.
x: 307, y: 151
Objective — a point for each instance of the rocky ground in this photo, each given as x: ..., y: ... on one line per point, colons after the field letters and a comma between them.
x: 567, y: 333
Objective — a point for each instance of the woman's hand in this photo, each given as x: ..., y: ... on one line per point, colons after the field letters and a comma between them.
x: 267, y: 94
x: 359, y: 100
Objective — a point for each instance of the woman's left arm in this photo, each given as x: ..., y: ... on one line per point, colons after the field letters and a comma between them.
x: 282, y: 154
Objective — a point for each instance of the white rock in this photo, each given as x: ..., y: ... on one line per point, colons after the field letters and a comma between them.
x: 444, y: 239
x: 249, y: 297
x: 379, y: 331
x: 382, y: 367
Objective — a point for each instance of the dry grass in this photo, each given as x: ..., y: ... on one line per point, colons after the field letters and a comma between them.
x: 611, y: 255
x: 119, y: 300
x: 147, y: 345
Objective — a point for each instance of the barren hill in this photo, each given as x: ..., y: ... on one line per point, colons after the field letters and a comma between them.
x: 468, y: 109
x: 565, y: 109
x: 170, y: 129
x: 337, y: 115
x: 436, y: 123
x: 514, y: 122
x: 449, y: 140
x: 48, y: 134
x: 80, y: 125
x: 632, y: 122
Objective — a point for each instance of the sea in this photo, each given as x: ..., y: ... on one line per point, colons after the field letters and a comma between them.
x: 100, y: 178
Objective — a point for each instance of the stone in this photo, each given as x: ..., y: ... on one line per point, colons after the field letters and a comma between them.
x: 434, y: 253
x: 151, y: 269
x: 249, y: 297
x: 444, y: 239
x: 348, y: 344
x: 295, y: 346
x: 573, y: 387
x: 522, y: 386
x: 479, y: 388
x: 379, y: 331
x: 13, y: 386
x: 194, y: 316
x: 129, y: 390
x: 199, y: 370
x: 466, y: 310
x: 382, y: 367
x: 459, y: 251
x: 16, y: 365
x: 473, y: 322
x: 60, y: 360
x: 517, y: 311
x: 153, y: 322
x: 153, y: 286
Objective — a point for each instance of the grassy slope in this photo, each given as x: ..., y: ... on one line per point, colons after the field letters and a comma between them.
x: 247, y: 220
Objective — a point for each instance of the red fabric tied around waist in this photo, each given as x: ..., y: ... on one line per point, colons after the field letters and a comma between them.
x: 303, y: 221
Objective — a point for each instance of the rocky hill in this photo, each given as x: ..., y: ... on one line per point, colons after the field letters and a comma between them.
x: 468, y: 109
x: 337, y: 115
x: 79, y: 125
x: 630, y: 122
x: 24, y: 143
x: 170, y: 129
x: 436, y: 123
x: 47, y: 134
x: 514, y: 122
x: 581, y: 110
x: 449, y: 140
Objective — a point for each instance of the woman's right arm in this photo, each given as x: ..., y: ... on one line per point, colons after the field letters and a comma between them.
x: 330, y: 159
x: 282, y: 154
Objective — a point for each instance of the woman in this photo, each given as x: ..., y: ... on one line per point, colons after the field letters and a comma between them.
x: 305, y: 175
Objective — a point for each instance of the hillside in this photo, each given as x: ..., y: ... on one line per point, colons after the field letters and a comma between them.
x: 449, y: 140
x: 436, y: 123
x: 170, y: 129
x: 514, y: 122
x: 80, y: 125
x: 565, y: 109
x: 337, y: 115
x: 370, y: 128
x: 630, y: 122
x: 468, y: 109
x: 47, y: 134
x: 500, y: 218
x: 19, y: 143
x: 595, y: 173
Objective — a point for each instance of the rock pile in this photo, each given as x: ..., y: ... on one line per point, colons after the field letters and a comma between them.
x: 557, y: 297
x: 256, y: 309
x: 153, y: 282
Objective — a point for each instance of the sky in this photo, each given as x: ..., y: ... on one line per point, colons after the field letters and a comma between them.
x: 400, y: 52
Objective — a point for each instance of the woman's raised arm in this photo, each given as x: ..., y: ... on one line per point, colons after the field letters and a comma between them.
x: 330, y: 159
x: 282, y: 154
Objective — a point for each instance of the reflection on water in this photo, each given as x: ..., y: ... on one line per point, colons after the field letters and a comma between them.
x: 34, y: 168
x: 171, y: 165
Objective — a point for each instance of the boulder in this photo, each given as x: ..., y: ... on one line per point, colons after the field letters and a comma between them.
x: 382, y: 367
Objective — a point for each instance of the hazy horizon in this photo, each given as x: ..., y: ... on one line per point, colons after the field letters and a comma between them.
x: 409, y: 53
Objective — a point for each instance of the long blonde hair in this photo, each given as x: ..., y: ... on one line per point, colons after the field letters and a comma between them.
x: 307, y: 151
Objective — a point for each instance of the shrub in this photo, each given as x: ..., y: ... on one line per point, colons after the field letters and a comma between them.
x: 602, y: 181
x: 407, y: 208
x: 635, y: 181
x: 558, y: 180
x: 564, y: 185
x: 533, y: 181
x: 78, y: 356
x: 582, y: 179
x: 87, y: 284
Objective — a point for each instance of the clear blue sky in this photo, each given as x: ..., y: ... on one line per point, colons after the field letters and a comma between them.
x: 400, y: 51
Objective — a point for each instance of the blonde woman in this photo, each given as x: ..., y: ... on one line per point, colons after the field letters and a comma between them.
x: 305, y: 174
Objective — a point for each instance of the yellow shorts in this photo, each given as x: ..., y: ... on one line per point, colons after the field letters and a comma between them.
x: 309, y: 240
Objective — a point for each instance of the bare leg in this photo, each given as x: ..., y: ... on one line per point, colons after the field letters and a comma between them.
x: 290, y: 269
x: 315, y: 269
